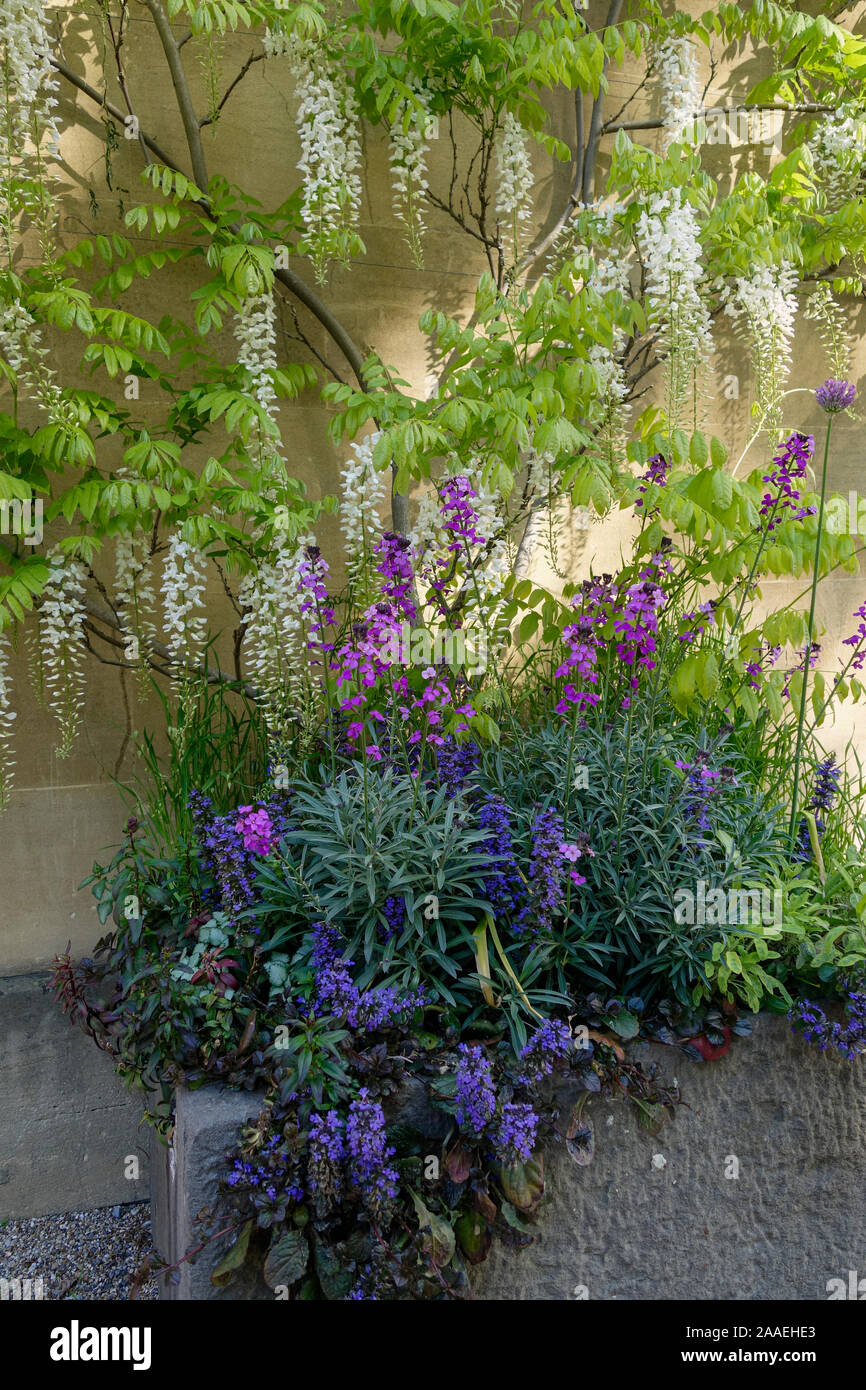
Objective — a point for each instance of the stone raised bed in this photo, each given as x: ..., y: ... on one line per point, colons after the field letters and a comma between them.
x: 790, y: 1120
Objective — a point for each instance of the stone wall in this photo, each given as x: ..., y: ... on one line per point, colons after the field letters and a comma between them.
x: 649, y: 1218
x: 69, y: 1129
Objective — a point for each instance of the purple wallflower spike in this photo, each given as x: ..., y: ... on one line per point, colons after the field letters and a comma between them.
x: 656, y: 475
x: 835, y: 395
x: 790, y: 462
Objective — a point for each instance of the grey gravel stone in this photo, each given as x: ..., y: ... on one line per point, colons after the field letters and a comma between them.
x: 79, y: 1254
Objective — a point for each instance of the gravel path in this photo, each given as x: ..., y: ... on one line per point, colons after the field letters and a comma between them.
x: 80, y: 1254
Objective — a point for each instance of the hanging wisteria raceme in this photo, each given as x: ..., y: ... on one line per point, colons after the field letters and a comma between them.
x: 7, y: 720
x: 838, y: 150
x: 676, y: 62
x: 259, y: 597
x: 364, y: 491
x: 26, y: 54
x: 61, y: 638
x: 669, y: 235
x: 256, y: 335
x: 28, y: 129
x: 764, y: 306
x: 610, y: 272
x: 411, y: 133
x: 183, y: 588
x: 135, y: 597
x: 28, y: 118
x: 426, y: 536
x: 491, y: 567
x: 825, y: 310
x: 21, y: 344
x: 281, y: 628
x: 327, y: 121
x: 514, y: 181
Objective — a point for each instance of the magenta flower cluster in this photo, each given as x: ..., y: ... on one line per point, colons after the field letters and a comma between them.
x: 256, y: 829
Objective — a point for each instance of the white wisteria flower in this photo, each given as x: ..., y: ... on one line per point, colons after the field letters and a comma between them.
x: 514, y: 180
x: 426, y: 537
x: 412, y: 130
x: 669, y: 235
x: 260, y: 597
x: 676, y: 61
x: 364, y: 491
x: 255, y: 331
x: 29, y: 76
x: 62, y: 642
x: 839, y: 154
x: 611, y: 272
x: 276, y: 630
x: 491, y: 571
x: 823, y: 308
x: 184, y: 580
x: 21, y: 344
x: 327, y: 120
x: 134, y: 593
x: 7, y: 720
x: 763, y: 306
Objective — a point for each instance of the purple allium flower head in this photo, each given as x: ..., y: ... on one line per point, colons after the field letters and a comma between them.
x: 835, y: 395
x: 475, y: 1094
x: 514, y: 1139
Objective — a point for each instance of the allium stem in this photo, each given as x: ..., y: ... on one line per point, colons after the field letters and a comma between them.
x: 792, y: 828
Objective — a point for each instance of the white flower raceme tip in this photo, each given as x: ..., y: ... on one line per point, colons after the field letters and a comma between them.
x: 514, y: 180
x: 183, y: 586
x: 681, y: 101
x: 61, y: 636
